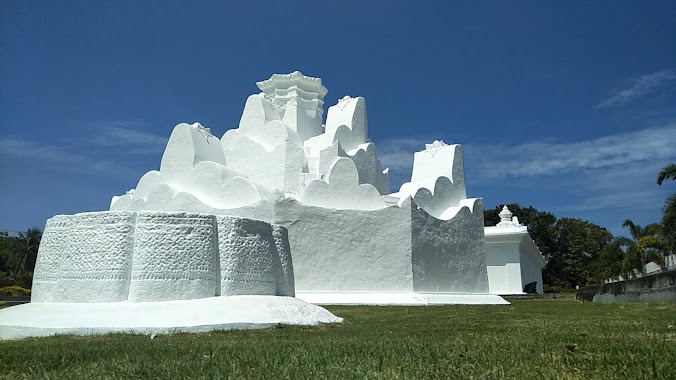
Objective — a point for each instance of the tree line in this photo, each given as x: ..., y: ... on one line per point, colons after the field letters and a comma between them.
x: 579, y: 252
x: 17, y: 257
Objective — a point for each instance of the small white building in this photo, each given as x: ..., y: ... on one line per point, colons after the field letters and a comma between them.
x: 513, y: 260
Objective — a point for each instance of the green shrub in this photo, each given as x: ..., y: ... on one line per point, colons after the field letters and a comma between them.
x: 15, y: 291
x: 6, y: 280
x: 557, y: 289
x: 24, y: 280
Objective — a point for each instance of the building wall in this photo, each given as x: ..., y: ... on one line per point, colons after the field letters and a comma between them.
x: 85, y: 258
x: 348, y: 250
x: 513, y: 261
x: 175, y: 257
x: 448, y: 255
x: 393, y: 249
x: 504, y: 269
x: 157, y: 256
x: 657, y: 287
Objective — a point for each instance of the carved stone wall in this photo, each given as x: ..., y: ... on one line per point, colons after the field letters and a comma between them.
x: 160, y: 256
x: 175, y: 257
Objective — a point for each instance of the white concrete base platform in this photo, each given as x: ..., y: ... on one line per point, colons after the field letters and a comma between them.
x: 214, y: 313
x: 399, y: 298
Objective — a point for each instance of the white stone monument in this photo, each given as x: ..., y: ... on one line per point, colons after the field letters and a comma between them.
x: 351, y: 240
x: 282, y: 205
x: 155, y: 272
x: 513, y: 259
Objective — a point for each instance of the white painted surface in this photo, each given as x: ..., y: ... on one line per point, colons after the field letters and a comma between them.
x: 85, y: 258
x: 280, y: 144
x: 246, y: 257
x: 394, y: 250
x: 341, y: 189
x: 284, y: 275
x: 214, y: 313
x: 192, y: 177
x: 189, y: 144
x: 350, y: 112
x: 268, y: 151
x: 512, y: 258
x: 175, y: 257
x: 652, y: 267
x: 503, y: 263
x: 159, y: 256
x: 46, y: 275
x: 299, y: 99
x: 325, y: 185
x: 346, y: 135
x: 437, y: 181
x: 95, y: 265
x: 278, y: 168
x: 348, y: 250
x: 440, y: 160
x: 257, y: 112
x: 448, y: 255
x: 158, y: 272
x: 370, y: 170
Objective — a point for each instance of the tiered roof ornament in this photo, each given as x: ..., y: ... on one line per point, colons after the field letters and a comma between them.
x: 507, y: 219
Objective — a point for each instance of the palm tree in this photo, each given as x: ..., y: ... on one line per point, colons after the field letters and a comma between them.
x: 669, y: 223
x: 669, y: 210
x: 27, y: 250
x: 667, y: 172
x: 646, y: 245
x: 609, y: 263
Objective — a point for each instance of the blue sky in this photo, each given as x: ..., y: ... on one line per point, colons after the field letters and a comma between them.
x: 566, y: 106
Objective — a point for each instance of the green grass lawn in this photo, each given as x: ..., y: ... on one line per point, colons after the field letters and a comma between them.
x: 531, y: 339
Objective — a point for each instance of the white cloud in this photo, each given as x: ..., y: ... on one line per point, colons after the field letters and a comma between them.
x: 621, y: 199
x: 546, y: 158
x: 77, y: 153
x: 397, y: 154
x: 117, y: 133
x: 639, y: 87
x: 103, y: 150
x: 628, y: 186
x: 18, y: 148
x: 52, y: 156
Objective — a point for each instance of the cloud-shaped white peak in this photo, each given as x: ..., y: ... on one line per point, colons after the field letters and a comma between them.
x: 349, y: 112
x: 166, y: 198
x: 261, y: 123
x: 190, y: 144
x: 442, y: 202
x: 341, y: 189
x: 258, y: 111
x: 193, y: 165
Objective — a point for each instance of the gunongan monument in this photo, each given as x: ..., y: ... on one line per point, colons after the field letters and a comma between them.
x: 252, y: 229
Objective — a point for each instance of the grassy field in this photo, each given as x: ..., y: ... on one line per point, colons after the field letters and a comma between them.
x: 531, y: 339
